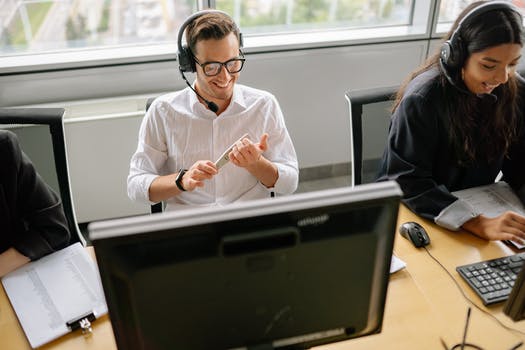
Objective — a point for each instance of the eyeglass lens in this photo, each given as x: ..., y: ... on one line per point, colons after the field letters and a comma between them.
x: 214, y: 68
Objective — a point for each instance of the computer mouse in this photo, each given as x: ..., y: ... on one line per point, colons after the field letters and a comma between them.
x: 415, y: 233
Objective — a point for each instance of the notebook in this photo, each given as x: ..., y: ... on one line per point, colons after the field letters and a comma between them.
x: 56, y: 294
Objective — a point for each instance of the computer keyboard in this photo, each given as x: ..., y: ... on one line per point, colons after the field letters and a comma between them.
x: 493, y: 279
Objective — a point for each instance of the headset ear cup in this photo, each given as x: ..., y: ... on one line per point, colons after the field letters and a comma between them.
x: 458, y: 53
x: 446, y: 52
x: 452, y: 53
x: 186, y: 62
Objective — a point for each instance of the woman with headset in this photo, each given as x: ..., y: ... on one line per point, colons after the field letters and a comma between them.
x: 458, y: 121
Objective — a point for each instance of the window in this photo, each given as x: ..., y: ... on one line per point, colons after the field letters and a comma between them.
x: 57, y: 34
x: 449, y: 10
x: 40, y: 26
x: 278, y: 16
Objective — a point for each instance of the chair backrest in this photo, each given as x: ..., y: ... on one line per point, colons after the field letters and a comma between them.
x: 157, y: 207
x: 356, y: 100
x: 53, y: 118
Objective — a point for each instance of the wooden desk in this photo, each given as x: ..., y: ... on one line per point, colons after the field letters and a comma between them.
x: 423, y: 303
x: 449, y: 306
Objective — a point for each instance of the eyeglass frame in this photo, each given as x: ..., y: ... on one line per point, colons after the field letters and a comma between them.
x: 222, y: 64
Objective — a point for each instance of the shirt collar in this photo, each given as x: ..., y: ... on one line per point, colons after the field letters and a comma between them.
x: 237, y: 102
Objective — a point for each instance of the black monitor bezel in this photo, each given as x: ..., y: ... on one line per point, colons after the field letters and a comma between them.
x: 106, y: 235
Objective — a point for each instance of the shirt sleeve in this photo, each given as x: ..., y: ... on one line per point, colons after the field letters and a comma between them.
x: 38, y: 217
x: 151, y: 154
x: 414, y: 137
x: 455, y: 215
x: 281, y: 152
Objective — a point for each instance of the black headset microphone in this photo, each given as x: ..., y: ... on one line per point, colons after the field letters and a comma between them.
x: 453, y: 53
x: 212, y: 106
x: 444, y: 69
x: 185, y: 56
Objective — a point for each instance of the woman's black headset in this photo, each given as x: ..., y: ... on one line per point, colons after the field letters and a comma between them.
x: 453, y: 51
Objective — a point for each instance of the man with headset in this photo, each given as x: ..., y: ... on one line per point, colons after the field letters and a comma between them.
x: 185, y: 134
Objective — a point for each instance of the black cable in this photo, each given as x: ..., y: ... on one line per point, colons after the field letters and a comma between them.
x: 494, y: 318
x: 466, y: 346
x: 464, y: 341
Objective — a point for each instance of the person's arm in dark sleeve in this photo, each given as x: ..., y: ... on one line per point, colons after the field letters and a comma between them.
x: 40, y: 224
x: 414, y: 140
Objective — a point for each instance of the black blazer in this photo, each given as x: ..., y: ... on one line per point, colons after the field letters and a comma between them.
x: 419, y: 155
x: 31, y: 214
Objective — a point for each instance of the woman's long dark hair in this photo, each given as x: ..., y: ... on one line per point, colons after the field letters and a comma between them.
x: 475, y: 132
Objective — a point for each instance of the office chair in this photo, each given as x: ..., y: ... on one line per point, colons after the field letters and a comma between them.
x: 53, y: 118
x: 157, y: 207
x: 356, y: 100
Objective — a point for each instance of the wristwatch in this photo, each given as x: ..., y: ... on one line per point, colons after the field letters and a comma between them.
x: 178, y: 179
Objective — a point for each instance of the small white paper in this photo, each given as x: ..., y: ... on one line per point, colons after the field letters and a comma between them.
x: 396, y: 264
x: 56, y: 289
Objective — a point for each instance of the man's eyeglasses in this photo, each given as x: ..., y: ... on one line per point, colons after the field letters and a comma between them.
x: 211, y: 69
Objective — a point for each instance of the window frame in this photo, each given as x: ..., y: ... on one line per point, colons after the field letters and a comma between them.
x: 420, y: 28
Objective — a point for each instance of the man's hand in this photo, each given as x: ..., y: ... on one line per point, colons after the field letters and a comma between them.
x: 163, y: 187
x: 201, y: 170
x: 245, y: 153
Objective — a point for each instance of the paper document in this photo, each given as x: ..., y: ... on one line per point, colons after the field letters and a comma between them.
x: 48, y: 293
x: 493, y: 200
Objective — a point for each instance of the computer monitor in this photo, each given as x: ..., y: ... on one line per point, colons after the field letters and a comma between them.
x: 285, y: 272
x: 515, y: 305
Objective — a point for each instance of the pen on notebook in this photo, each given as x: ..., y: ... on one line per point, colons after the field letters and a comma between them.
x: 517, y: 346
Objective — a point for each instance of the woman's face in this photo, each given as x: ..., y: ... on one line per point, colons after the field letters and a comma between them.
x: 487, y: 69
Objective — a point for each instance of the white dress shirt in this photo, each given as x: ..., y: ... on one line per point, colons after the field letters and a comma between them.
x: 178, y: 130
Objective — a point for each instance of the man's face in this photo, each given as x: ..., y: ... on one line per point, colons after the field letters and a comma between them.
x: 218, y: 88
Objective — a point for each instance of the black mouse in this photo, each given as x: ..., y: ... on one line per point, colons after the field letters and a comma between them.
x: 415, y: 233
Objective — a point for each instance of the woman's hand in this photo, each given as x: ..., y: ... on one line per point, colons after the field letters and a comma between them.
x: 507, y: 226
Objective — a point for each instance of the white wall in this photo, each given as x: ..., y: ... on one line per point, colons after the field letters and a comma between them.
x: 311, y: 84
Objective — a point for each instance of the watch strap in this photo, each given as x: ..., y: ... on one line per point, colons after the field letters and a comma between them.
x: 178, y: 179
